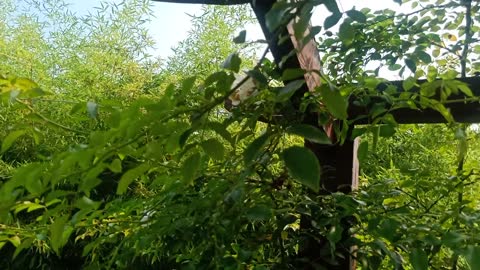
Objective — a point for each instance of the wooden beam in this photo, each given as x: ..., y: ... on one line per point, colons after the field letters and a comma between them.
x: 207, y: 2
x: 463, y: 112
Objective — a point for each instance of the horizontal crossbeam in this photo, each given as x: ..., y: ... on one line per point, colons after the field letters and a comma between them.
x: 463, y: 112
x: 207, y: 2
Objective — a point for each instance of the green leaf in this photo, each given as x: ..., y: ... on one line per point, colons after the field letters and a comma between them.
x: 259, y: 212
x: 472, y: 255
x: 15, y: 240
x: 292, y: 74
x: 465, y: 89
x: 116, y: 166
x: 190, y: 167
x: 336, y: 104
x: 57, y: 230
x: 310, y: 133
x: 253, y: 150
x: 424, y: 57
x: 409, y: 83
x: 214, y: 149
x: 303, y: 166
x: 419, y: 259
x: 233, y: 63
x: 451, y: 239
x: 10, y: 139
x: 411, y: 65
x: 362, y: 151
x: 241, y: 37
x: 331, y: 5
x: 357, y: 16
x: 129, y: 176
x: 346, y: 33
x: 286, y: 92
x: 332, y: 20
x: 274, y: 18
x: 258, y: 77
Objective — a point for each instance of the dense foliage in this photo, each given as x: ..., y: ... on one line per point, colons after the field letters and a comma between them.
x: 112, y: 159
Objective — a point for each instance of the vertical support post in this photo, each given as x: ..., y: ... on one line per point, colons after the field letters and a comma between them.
x: 339, y: 163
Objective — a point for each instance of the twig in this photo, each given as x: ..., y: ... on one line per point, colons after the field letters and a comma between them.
x: 44, y: 118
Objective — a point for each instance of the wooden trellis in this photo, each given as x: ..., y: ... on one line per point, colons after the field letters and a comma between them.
x: 339, y: 163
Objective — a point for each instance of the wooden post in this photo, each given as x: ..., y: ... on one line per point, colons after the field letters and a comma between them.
x: 338, y: 162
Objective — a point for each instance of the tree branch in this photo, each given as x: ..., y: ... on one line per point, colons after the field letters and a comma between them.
x: 207, y: 2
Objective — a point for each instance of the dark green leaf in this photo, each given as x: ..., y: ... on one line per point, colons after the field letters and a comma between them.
x: 419, y: 259
x: 357, y: 15
x: 258, y: 77
x: 451, y: 239
x: 346, y: 33
x: 129, y: 176
x: 472, y: 255
x: 303, y: 166
x: 411, y: 64
x: 286, y: 92
x: 233, y: 63
x: 214, y: 149
x: 424, y: 57
x: 362, y: 151
x: 336, y: 104
x: 253, y: 150
x: 274, y: 18
x: 259, y: 212
x: 310, y: 133
x: 57, y: 230
x: 332, y: 20
x: 241, y: 37
x: 292, y: 74
x: 190, y: 168
x: 331, y: 5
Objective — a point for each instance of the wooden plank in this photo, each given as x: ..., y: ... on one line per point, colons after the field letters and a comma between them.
x: 464, y: 112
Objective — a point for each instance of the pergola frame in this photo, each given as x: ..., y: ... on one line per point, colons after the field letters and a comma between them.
x: 339, y: 164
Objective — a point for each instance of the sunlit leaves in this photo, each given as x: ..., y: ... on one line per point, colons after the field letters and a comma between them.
x: 303, y: 166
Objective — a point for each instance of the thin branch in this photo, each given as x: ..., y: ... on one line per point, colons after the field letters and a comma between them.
x: 49, y: 121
